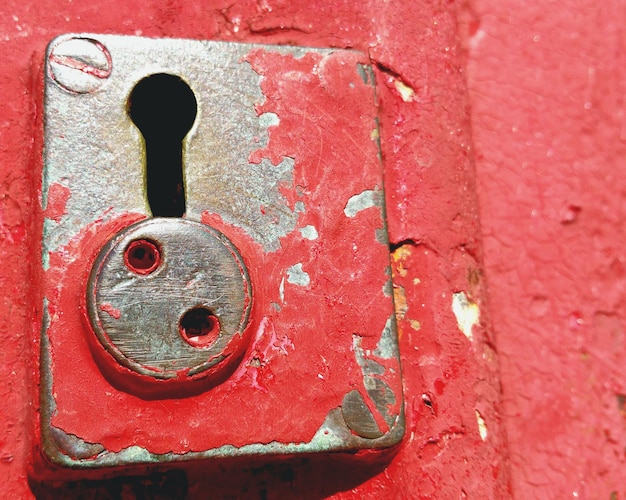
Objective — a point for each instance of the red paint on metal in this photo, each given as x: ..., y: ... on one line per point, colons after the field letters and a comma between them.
x: 199, y: 327
x: 142, y: 257
x: 74, y: 373
x: 302, y: 359
x: 111, y: 311
x: 431, y: 209
x: 58, y: 195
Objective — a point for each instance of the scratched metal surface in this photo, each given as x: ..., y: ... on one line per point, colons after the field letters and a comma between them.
x: 137, y: 318
x: 421, y: 73
x: 93, y: 147
x: 307, y: 216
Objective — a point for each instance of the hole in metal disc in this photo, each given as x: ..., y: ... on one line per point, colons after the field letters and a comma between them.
x: 142, y: 256
x: 199, y: 327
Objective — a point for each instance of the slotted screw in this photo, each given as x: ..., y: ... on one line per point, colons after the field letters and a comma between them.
x: 79, y: 65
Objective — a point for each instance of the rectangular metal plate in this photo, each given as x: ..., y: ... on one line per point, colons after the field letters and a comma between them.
x: 283, y: 159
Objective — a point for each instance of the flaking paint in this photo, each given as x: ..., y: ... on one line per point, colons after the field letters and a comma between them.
x: 432, y: 203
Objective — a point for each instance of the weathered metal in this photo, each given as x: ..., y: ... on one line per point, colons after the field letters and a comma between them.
x: 138, y: 318
x: 78, y: 64
x: 426, y: 139
x: 283, y: 247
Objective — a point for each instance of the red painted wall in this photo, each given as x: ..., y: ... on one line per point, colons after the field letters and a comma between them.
x: 547, y: 85
x: 538, y: 140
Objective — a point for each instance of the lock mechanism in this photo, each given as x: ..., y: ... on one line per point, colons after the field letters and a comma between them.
x: 215, y: 263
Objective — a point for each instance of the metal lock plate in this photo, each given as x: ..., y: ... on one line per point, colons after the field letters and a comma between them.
x: 282, y: 247
x: 152, y: 283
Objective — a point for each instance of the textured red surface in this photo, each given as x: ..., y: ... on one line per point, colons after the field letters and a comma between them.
x: 546, y: 87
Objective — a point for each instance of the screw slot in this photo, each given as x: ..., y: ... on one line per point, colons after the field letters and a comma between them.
x: 79, y: 65
x: 199, y: 327
x: 142, y: 256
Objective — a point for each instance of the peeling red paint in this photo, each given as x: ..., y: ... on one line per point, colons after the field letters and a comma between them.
x: 300, y: 362
x: 58, y: 195
x: 430, y: 205
x: 112, y: 311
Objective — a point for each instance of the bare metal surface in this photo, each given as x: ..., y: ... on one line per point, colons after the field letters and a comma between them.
x: 332, y: 436
x: 136, y: 317
x: 93, y: 148
x: 358, y: 416
x: 74, y: 446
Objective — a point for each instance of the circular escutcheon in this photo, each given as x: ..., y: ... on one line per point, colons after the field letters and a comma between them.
x: 169, y: 298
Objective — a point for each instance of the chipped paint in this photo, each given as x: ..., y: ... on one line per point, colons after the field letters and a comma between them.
x: 401, y: 253
x: 332, y: 434
x: 379, y: 392
x: 269, y: 120
x: 399, y: 300
x: 382, y: 237
x: 387, y: 346
x: 359, y: 417
x: 281, y: 290
x: 401, y: 270
x: 382, y: 30
x: 74, y: 446
x: 482, y: 426
x: 365, y: 72
x: 280, y: 179
x: 218, y: 145
x: 406, y: 92
x: 45, y: 254
x: 361, y: 201
x: 388, y: 288
x: 358, y: 350
x: 466, y: 312
x: 309, y: 232
x: 111, y: 311
x: 415, y: 325
x: 297, y: 276
x: 56, y: 201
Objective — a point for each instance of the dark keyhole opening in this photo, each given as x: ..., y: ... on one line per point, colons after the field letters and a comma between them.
x: 163, y: 107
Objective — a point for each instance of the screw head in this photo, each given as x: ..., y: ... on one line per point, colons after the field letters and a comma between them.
x: 79, y: 65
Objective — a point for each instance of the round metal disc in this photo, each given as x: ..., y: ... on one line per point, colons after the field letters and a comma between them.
x: 136, y: 310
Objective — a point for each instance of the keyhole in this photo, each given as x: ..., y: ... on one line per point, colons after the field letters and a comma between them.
x: 163, y: 108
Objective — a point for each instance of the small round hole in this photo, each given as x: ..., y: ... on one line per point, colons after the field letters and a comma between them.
x: 199, y: 327
x: 142, y: 256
